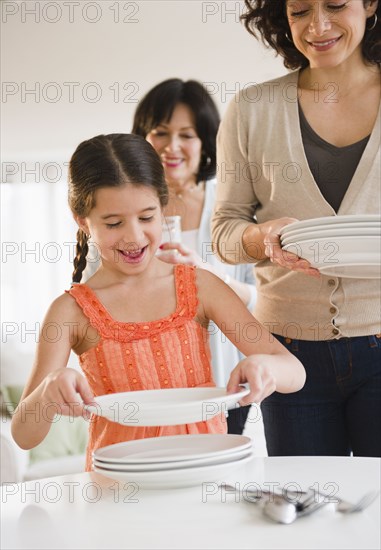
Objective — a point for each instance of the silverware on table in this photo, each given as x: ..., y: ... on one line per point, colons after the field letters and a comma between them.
x: 346, y: 507
x: 287, y: 506
x: 282, y: 510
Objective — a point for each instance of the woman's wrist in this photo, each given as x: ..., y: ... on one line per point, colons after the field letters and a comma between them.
x: 252, y: 242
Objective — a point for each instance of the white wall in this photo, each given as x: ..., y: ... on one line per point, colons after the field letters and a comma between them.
x: 170, y: 38
x: 77, y: 56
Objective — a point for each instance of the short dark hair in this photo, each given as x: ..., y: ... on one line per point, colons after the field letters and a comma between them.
x: 158, y: 104
x: 269, y: 19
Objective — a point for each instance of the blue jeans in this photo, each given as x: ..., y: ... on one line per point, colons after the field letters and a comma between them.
x: 339, y: 409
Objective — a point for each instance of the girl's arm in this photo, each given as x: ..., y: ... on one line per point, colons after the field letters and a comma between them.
x: 184, y: 255
x: 269, y: 366
x: 52, y: 388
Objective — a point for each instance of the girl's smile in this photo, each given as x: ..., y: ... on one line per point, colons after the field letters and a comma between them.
x: 133, y: 257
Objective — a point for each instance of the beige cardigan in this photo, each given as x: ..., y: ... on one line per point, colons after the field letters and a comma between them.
x: 263, y: 172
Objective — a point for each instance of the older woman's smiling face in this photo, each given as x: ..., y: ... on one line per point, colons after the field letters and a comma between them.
x: 178, y: 145
x: 328, y: 32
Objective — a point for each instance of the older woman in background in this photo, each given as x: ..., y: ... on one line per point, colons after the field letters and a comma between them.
x: 180, y: 120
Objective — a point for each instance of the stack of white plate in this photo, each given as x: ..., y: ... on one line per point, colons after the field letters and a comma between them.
x: 339, y: 246
x: 173, y: 461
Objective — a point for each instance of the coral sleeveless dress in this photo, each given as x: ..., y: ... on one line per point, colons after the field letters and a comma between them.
x: 172, y: 352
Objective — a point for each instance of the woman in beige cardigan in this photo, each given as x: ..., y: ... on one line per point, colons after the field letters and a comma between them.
x: 303, y: 146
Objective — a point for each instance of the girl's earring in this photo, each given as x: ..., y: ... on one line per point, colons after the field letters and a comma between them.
x: 288, y: 38
x: 374, y: 23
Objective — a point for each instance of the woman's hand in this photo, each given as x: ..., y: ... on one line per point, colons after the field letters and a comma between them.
x: 177, y: 253
x: 254, y: 371
x: 66, y: 391
x: 273, y: 249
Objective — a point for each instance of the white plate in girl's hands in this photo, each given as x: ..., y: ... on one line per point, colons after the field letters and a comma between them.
x: 165, y: 407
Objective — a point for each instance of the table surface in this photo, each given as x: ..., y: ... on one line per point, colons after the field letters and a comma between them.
x: 88, y: 510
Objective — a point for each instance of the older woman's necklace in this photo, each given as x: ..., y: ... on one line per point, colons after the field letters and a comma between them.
x: 181, y: 193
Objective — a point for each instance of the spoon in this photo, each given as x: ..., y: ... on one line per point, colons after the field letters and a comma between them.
x: 281, y: 511
x: 284, y: 511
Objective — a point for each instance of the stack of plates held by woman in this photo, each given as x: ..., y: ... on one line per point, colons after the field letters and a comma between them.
x: 170, y: 461
x: 339, y: 246
x: 173, y: 461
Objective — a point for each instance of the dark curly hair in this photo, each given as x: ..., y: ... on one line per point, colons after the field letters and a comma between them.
x: 268, y: 18
x: 158, y: 105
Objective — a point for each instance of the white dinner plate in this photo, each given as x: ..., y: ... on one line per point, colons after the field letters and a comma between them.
x: 155, y: 450
x: 159, y: 466
x: 330, y: 227
x: 354, y: 271
x: 173, y: 447
x: 304, y: 235
x: 332, y: 220
x: 176, y: 478
x: 332, y: 251
x: 165, y: 407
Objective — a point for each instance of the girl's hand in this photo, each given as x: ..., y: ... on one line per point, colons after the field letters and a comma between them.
x: 273, y: 249
x: 177, y: 253
x: 60, y: 391
x: 257, y: 374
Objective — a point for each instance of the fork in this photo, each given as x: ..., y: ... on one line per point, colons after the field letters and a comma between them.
x: 346, y: 507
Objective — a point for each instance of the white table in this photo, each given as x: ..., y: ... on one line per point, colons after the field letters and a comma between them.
x: 90, y: 511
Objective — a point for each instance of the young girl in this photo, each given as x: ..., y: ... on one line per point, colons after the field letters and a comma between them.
x: 138, y: 323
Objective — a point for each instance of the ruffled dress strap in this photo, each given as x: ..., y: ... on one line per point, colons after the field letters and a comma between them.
x: 186, y: 290
x: 109, y: 328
